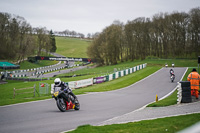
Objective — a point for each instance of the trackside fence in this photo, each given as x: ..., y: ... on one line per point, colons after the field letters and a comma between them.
x: 22, y: 91
x: 27, y: 79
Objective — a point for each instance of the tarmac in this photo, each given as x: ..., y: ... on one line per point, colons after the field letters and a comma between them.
x: 3, y: 82
x: 149, y: 113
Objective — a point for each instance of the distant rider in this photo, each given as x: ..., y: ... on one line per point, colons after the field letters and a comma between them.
x: 173, y: 65
x: 64, y: 87
x: 171, y: 72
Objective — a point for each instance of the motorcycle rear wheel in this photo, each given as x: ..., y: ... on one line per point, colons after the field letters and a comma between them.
x: 61, y: 104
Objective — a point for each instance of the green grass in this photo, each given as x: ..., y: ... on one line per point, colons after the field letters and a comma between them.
x: 99, y: 71
x: 40, y: 63
x: 6, y: 92
x: 119, y: 83
x: 103, y: 70
x: 177, y: 62
x: 72, y: 47
x: 170, y: 100
x: 161, y: 125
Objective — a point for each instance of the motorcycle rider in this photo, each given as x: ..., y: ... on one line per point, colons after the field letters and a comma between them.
x: 64, y: 87
x: 172, y: 75
x: 171, y: 71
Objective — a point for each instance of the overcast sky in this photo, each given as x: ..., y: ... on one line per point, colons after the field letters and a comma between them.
x: 89, y: 16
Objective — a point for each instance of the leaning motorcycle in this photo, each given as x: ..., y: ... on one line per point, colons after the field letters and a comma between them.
x: 64, y: 100
x: 172, y: 77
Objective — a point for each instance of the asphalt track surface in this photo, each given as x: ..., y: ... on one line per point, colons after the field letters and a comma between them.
x: 44, y: 116
x: 63, y: 71
x: 48, y: 74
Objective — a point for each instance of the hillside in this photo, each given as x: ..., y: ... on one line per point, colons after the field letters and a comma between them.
x: 72, y: 47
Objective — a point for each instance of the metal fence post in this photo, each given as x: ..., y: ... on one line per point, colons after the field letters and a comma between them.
x: 34, y: 90
x: 14, y: 93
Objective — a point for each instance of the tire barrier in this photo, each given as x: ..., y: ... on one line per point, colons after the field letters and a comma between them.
x: 36, y: 73
x: 186, y: 92
x: 34, y: 69
x: 26, y: 79
x: 45, y: 71
x: 179, y: 93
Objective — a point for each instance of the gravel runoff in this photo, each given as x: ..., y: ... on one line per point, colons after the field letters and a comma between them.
x: 148, y: 113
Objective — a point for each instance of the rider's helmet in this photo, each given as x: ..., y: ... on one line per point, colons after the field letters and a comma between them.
x: 57, y: 81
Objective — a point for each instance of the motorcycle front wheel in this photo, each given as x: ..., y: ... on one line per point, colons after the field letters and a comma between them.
x: 61, y: 104
x: 77, y: 105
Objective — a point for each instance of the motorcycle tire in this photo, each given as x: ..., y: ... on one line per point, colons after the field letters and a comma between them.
x: 77, y: 106
x: 61, y: 105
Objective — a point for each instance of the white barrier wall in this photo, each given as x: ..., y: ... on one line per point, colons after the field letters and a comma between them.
x: 117, y: 75
x: 126, y: 71
x: 110, y: 77
x: 131, y: 70
x: 122, y: 73
x: 80, y: 83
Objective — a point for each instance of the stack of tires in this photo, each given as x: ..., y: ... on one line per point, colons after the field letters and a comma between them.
x: 186, y: 92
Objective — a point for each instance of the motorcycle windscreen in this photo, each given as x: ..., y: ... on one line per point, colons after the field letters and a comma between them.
x: 57, y: 89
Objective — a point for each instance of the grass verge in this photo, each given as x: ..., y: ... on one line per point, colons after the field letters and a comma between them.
x: 160, y: 125
x: 120, y: 82
x: 170, y: 100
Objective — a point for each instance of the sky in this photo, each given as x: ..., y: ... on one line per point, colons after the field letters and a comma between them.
x: 89, y: 16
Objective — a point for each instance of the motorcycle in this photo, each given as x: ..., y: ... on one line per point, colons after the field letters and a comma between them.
x: 65, y: 101
x: 172, y: 77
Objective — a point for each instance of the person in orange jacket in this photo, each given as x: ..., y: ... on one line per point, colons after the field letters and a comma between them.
x: 194, y: 79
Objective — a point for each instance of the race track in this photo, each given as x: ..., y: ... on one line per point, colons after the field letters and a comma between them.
x: 44, y: 116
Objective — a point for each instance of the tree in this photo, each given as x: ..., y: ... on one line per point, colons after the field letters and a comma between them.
x: 42, y: 40
x: 52, y: 42
x: 194, y: 30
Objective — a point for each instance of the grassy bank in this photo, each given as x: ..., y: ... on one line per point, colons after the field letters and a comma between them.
x: 123, y: 65
x: 40, y: 63
x: 120, y: 82
x: 161, y: 125
x: 72, y: 47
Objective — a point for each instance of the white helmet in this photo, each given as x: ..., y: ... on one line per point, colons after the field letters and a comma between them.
x: 57, y: 81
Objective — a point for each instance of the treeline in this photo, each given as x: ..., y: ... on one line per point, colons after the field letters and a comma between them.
x: 68, y: 33
x: 175, y: 35
x: 19, y: 40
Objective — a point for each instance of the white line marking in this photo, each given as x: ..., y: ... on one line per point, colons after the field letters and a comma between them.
x: 25, y: 103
